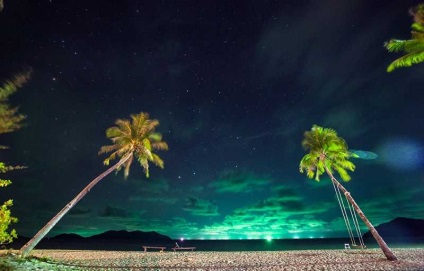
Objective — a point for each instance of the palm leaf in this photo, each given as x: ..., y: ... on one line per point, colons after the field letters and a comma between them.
x: 138, y: 123
x: 418, y: 35
x: 159, y: 146
x: 127, y: 166
x: 414, y: 46
x: 394, y: 46
x: 109, y: 148
x: 418, y: 13
x: 145, y: 164
x: 10, y: 119
x: 417, y: 27
x: 406, y: 61
x: 157, y: 161
x: 155, y: 137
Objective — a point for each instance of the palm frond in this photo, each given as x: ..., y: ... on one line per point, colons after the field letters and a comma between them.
x: 160, y: 146
x: 417, y: 27
x: 145, y: 152
x: 10, y: 119
x: 394, y: 46
x: 152, y: 124
x: 110, y: 158
x: 146, y: 144
x: 418, y: 14
x: 342, y: 172
x: 406, y: 61
x: 309, y: 163
x: 123, y: 126
x: 414, y: 46
x: 14, y: 83
x: 109, y: 148
x: 156, y: 137
x: 145, y: 164
x: 149, y: 127
x: 115, y: 133
x: 418, y: 35
x: 127, y: 166
x: 320, y: 169
x: 138, y: 123
x: 157, y: 161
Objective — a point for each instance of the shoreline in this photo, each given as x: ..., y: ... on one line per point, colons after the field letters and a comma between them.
x: 410, y: 259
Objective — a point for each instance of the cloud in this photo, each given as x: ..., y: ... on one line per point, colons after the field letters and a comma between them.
x: 324, y: 67
x: 174, y: 227
x: 154, y: 190
x: 79, y: 211
x: 282, y: 215
x: 386, y: 204
x: 234, y: 181
x: 114, y: 212
x: 199, y: 207
x: 311, y: 52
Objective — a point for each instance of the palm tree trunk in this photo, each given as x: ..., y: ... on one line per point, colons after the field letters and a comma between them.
x: 26, y: 249
x: 386, y: 250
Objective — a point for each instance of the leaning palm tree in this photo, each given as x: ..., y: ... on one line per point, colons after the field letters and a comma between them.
x: 132, y: 139
x: 328, y: 153
x: 414, y: 48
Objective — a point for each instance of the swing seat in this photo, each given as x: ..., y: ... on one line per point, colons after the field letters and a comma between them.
x: 359, y: 246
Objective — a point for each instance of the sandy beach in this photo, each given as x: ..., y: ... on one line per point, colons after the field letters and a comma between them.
x: 338, y: 260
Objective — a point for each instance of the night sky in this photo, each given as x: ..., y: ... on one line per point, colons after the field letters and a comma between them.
x: 234, y: 84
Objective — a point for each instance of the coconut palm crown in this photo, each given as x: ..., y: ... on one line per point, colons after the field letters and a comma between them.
x: 326, y: 149
x: 137, y: 138
x: 413, y: 48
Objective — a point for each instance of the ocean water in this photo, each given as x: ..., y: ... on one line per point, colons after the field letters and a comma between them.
x: 265, y: 245
x: 224, y: 245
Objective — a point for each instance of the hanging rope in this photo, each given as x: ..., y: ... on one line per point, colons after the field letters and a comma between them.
x: 346, y: 217
x: 358, y: 229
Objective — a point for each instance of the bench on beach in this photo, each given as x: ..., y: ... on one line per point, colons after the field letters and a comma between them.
x: 161, y: 248
x: 183, y: 248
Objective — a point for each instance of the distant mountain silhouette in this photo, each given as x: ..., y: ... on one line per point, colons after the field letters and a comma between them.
x: 130, y: 235
x: 109, y: 240
x: 67, y: 236
x: 401, y: 227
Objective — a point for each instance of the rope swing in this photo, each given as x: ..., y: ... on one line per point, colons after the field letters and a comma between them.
x: 353, y: 219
